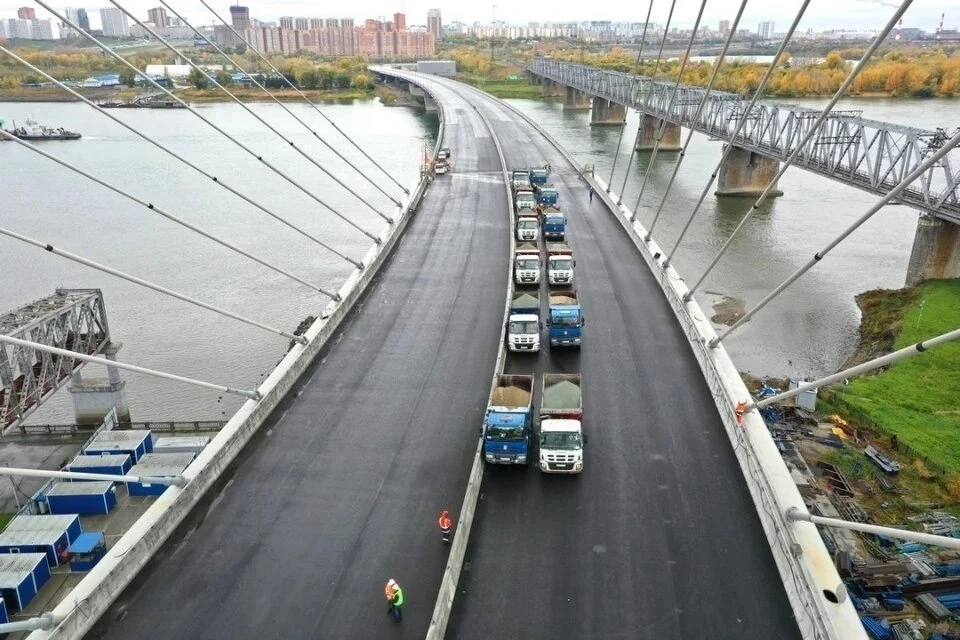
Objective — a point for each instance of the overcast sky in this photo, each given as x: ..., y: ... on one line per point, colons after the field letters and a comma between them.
x: 821, y: 14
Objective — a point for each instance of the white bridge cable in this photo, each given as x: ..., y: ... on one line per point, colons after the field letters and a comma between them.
x: 885, y: 200
x: 252, y: 394
x: 282, y: 105
x: 744, y: 118
x: 646, y: 102
x: 696, y: 116
x: 145, y: 283
x: 801, y: 145
x: 796, y: 514
x: 214, y: 178
x: 15, y: 472
x: 206, y: 120
x: 168, y: 216
x: 895, y: 356
x: 304, y: 96
x: 626, y: 108
x: 246, y: 108
x: 662, y: 128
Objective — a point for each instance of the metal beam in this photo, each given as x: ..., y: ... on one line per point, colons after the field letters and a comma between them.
x: 868, y: 154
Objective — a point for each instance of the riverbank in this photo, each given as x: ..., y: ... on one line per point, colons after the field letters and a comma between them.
x: 918, y: 399
x: 246, y: 94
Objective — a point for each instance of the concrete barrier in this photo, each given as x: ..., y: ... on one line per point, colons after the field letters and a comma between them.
x: 91, y: 598
x: 461, y: 538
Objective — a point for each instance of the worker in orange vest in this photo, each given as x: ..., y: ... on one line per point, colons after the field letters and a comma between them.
x: 446, y: 524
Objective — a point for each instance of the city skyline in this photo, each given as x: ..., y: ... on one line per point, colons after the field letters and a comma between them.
x: 843, y: 14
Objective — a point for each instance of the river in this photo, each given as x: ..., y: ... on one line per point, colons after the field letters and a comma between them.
x: 809, y: 330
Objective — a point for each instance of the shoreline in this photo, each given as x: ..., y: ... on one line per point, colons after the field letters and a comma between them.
x: 187, y: 95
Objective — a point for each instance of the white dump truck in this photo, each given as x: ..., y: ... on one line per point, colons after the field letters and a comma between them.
x: 560, y: 264
x: 561, y: 424
x: 523, y: 326
x: 526, y: 264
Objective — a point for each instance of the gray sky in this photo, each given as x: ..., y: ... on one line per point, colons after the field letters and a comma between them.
x: 821, y: 14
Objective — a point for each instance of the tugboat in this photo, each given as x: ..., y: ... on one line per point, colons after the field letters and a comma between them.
x: 31, y: 130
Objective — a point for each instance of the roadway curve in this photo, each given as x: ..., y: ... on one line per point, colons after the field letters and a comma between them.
x: 342, y: 487
x: 658, y: 538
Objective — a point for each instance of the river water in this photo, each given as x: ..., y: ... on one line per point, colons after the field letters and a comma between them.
x: 809, y: 330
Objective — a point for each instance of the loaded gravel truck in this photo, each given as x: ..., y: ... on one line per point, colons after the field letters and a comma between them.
x: 508, y: 424
x: 561, y: 427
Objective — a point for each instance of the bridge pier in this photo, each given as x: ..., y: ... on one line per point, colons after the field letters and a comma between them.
x: 745, y: 173
x: 551, y: 89
x: 936, y: 251
x: 607, y: 112
x: 649, y: 126
x: 576, y: 100
x: 428, y: 103
x: 93, y: 398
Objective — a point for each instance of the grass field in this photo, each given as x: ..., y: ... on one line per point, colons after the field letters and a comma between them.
x: 505, y: 88
x: 917, y: 399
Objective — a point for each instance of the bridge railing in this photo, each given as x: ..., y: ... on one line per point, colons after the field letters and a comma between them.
x: 868, y: 154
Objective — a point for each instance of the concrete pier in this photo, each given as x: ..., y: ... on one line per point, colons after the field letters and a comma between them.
x: 93, y: 398
x: 552, y: 89
x: 607, y: 112
x: 649, y: 127
x: 745, y: 173
x: 936, y: 251
x: 576, y: 100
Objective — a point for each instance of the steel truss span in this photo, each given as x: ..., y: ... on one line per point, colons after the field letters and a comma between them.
x: 868, y: 154
x: 72, y: 319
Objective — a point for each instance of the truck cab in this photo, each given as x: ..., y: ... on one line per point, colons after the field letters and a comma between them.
x: 525, y: 200
x: 519, y: 179
x: 508, y: 425
x: 523, y: 323
x: 539, y: 176
x: 528, y: 228
x: 554, y: 225
x: 561, y: 430
x: 548, y: 195
x: 560, y: 264
x: 526, y: 265
x: 565, y: 319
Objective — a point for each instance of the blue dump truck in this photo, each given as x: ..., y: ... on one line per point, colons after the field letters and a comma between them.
x: 539, y: 177
x: 554, y: 224
x: 565, y: 319
x: 547, y: 195
x: 508, y: 426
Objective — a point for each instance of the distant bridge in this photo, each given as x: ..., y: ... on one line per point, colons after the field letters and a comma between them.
x: 870, y: 155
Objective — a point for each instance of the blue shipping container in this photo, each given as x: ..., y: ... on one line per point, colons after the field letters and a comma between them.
x: 115, y: 464
x: 83, y: 498
x: 157, y: 465
x: 137, y: 443
x: 22, y: 575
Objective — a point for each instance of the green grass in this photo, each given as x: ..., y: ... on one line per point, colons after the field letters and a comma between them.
x: 917, y: 399
x: 519, y: 88
x: 5, y: 519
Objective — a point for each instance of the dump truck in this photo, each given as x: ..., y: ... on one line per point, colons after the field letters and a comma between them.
x: 554, y: 224
x: 519, y: 179
x: 525, y: 200
x: 560, y: 264
x: 526, y: 264
x: 508, y: 424
x: 561, y: 423
x: 539, y: 176
x: 523, y: 325
x: 547, y: 195
x: 528, y: 228
x: 565, y: 319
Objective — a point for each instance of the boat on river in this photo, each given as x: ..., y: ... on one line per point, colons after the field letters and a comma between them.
x: 32, y: 130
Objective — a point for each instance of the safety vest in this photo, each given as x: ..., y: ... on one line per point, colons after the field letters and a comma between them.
x: 445, y: 522
x: 398, y: 597
x: 389, y: 591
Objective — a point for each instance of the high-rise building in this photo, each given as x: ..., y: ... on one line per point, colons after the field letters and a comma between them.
x: 16, y: 28
x: 73, y: 15
x: 346, y: 23
x: 724, y: 28
x: 83, y: 20
x: 301, y: 24
x: 27, y: 13
x: 286, y: 22
x: 41, y: 30
x: 435, y: 24
x: 765, y: 30
x: 240, y: 17
x: 158, y: 16
x: 399, y: 22
x: 114, y: 23
x: 331, y: 23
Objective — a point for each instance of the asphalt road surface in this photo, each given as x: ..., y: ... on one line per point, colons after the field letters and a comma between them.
x: 342, y: 488
x: 658, y: 537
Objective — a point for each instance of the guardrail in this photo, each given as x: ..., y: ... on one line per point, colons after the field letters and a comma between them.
x: 93, y: 595
x: 813, y: 586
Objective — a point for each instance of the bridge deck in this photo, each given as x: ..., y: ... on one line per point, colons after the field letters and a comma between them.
x: 341, y: 490
x: 658, y: 537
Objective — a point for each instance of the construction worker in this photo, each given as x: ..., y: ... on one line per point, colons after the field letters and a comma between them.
x: 446, y: 524
x: 394, y: 596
